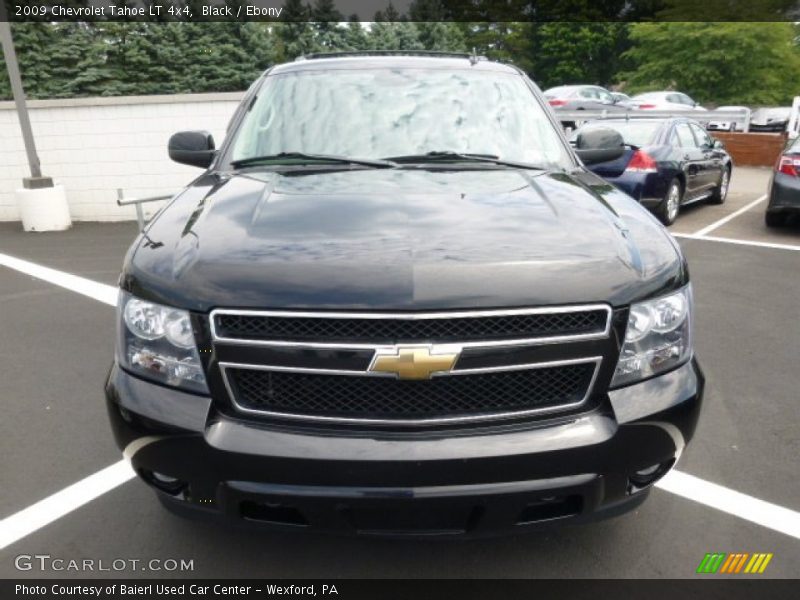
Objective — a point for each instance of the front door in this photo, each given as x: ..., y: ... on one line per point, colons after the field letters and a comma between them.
x: 692, y: 158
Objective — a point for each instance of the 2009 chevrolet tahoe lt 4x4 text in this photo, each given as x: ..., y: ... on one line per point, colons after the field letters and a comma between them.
x: 396, y: 303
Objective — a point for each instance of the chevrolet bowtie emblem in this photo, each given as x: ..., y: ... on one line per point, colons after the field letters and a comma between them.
x: 416, y: 362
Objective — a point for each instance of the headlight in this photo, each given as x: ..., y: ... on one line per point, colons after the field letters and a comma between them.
x: 157, y: 342
x: 658, y: 337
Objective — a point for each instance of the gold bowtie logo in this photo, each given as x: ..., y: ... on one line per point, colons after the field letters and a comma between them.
x: 412, y: 363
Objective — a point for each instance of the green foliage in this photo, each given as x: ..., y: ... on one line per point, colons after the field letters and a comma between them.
x: 566, y: 53
x: 719, y: 63
x: 554, y: 53
x: 731, y: 63
x: 735, y: 10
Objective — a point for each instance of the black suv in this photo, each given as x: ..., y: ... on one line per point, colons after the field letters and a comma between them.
x: 396, y: 303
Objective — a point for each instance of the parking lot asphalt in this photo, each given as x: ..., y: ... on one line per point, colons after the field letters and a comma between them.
x: 56, y: 347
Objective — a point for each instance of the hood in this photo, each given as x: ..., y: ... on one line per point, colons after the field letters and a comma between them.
x: 401, y: 239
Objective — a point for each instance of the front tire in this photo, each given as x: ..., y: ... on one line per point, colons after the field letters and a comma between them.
x: 667, y: 211
x: 720, y: 192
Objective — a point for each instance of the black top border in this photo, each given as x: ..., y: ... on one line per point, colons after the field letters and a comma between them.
x: 405, y: 10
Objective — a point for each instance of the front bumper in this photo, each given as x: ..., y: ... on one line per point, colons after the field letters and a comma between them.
x: 471, y: 482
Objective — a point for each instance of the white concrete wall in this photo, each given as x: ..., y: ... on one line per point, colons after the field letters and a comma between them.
x: 95, y: 145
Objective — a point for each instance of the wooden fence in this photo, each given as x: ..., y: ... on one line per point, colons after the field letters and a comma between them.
x: 753, y: 149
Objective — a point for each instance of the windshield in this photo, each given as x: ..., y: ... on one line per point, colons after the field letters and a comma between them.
x: 634, y: 133
x: 377, y: 113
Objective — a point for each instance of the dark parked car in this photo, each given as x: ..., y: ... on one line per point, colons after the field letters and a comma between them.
x: 784, y: 186
x: 395, y: 302
x: 668, y: 163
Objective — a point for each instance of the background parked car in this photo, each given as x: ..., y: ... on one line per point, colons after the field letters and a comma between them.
x: 668, y: 163
x: 784, y: 187
x: 577, y: 97
x: 621, y: 99
x: 728, y: 125
x: 770, y: 119
x: 581, y: 97
x: 665, y: 101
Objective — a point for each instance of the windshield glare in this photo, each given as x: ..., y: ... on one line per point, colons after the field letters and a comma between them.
x: 377, y: 113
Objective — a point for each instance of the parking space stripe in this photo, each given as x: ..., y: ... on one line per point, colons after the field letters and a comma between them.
x: 52, y: 508
x: 711, y: 238
x: 766, y: 514
x: 730, y: 217
x: 107, y: 294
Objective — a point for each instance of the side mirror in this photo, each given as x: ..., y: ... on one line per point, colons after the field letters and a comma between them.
x: 194, y: 148
x: 718, y: 145
x: 599, y: 144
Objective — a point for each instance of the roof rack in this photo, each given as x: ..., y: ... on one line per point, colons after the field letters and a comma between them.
x: 473, y: 58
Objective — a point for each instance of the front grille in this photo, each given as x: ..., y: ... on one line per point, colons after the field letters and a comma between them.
x: 392, y: 330
x: 384, y: 398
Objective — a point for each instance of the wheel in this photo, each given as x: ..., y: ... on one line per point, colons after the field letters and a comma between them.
x: 667, y: 210
x: 773, y: 219
x: 721, y: 191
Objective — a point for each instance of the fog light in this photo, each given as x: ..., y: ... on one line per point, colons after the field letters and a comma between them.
x: 644, y: 473
x: 164, y: 478
x: 646, y: 477
x: 166, y: 483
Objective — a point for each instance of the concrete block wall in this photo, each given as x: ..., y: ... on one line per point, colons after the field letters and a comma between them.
x: 93, y: 146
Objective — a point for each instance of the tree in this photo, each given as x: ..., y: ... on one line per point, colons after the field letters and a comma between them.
x: 554, y: 53
x: 35, y: 43
x: 328, y: 35
x: 723, y: 63
x: 396, y: 35
x: 355, y: 36
x: 437, y: 35
x: 709, y: 10
x: 295, y: 36
x: 508, y: 42
x: 389, y: 14
x: 565, y: 53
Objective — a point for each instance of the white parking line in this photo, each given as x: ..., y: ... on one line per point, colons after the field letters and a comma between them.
x: 711, y: 238
x: 766, y: 514
x: 107, y: 294
x: 730, y: 217
x: 52, y: 508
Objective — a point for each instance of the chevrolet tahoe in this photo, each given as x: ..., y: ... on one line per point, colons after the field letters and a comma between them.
x: 396, y: 302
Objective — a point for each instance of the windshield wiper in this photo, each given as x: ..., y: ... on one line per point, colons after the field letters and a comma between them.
x: 448, y: 155
x: 345, y: 160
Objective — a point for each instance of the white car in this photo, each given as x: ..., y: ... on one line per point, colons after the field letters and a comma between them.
x: 728, y: 125
x: 665, y: 101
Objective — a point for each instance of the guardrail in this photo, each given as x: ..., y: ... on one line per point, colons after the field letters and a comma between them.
x: 704, y: 116
x: 122, y: 201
